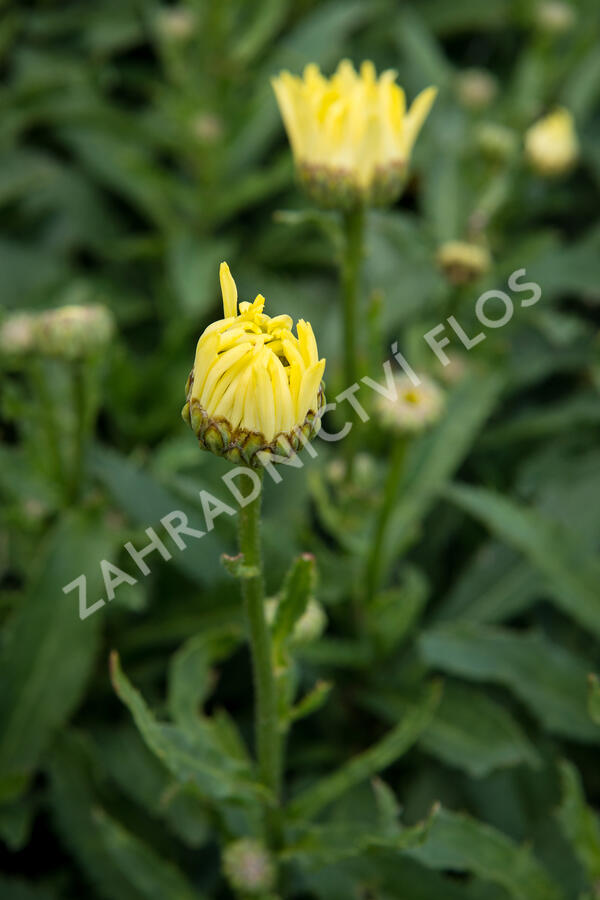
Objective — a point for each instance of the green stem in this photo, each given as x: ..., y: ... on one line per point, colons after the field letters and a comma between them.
x: 80, y: 414
x: 390, y: 493
x: 354, y: 222
x: 266, y: 719
x: 49, y: 423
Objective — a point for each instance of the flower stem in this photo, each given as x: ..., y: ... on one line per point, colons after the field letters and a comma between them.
x: 354, y: 222
x: 390, y: 492
x: 78, y: 376
x: 266, y: 720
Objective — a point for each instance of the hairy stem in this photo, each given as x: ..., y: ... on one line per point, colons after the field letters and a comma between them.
x: 354, y: 221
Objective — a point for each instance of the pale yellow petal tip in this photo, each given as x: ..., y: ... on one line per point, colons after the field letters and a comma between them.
x: 228, y: 290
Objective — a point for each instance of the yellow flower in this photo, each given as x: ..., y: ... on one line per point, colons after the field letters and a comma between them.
x: 463, y: 262
x: 551, y: 144
x: 351, y: 134
x: 255, y: 387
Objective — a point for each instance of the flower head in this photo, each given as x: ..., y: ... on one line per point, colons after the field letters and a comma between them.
x: 463, y: 262
x: 414, y: 407
x: 551, y: 144
x: 351, y: 134
x: 73, y: 332
x: 476, y: 88
x: 255, y: 387
x: 17, y: 335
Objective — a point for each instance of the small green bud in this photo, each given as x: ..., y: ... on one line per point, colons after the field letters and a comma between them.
x: 248, y: 867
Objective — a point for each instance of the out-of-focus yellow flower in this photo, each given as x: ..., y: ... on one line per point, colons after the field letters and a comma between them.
x: 463, y: 262
x: 414, y: 406
x: 551, y: 144
x: 255, y: 387
x: 351, y: 134
x: 554, y: 16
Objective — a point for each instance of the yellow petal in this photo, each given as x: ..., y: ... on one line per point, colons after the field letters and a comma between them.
x: 417, y: 114
x: 228, y: 290
x: 309, y: 389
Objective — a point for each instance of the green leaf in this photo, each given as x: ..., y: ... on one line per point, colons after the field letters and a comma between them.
x: 321, y: 845
x: 437, y: 456
x: 154, y: 877
x: 461, y: 844
x: 147, y: 783
x: 579, y: 822
x: 146, y: 501
x: 468, y: 730
x: 190, y: 677
x: 311, y: 702
x: 594, y: 698
x: 394, y: 613
x: 572, y: 576
x: 547, y: 678
x: 49, y: 651
x: 191, y: 757
x: 73, y: 799
x: 297, y: 589
x: 378, y: 757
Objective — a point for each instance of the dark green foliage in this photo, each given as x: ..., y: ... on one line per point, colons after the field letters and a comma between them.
x: 441, y: 740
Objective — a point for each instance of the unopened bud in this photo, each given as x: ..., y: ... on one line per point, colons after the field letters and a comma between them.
x: 463, y: 262
x: 555, y: 17
x: 17, y: 335
x: 551, y: 144
x: 476, y: 88
x: 176, y: 23
x: 496, y: 142
x: 248, y: 867
x: 73, y: 332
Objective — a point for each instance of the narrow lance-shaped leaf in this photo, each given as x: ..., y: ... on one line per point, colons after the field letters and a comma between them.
x: 547, y: 678
x: 579, y: 822
x: 572, y: 575
x: 461, y: 844
x: 378, y: 757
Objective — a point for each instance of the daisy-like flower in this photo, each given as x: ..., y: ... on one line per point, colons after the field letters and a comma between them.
x: 413, y: 408
x: 351, y: 134
x: 551, y: 144
x: 255, y: 388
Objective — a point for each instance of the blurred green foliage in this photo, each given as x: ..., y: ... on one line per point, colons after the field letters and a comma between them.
x: 140, y: 145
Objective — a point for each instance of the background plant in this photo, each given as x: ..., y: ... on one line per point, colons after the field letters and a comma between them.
x: 139, y: 149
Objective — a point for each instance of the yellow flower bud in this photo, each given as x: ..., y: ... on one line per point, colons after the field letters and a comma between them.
x: 414, y: 407
x: 463, y: 262
x: 255, y: 389
x: 351, y: 134
x: 551, y: 144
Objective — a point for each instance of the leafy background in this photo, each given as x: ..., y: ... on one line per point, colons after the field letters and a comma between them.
x: 133, y: 159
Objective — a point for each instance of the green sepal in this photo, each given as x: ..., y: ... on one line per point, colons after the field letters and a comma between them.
x: 298, y: 586
x: 311, y: 702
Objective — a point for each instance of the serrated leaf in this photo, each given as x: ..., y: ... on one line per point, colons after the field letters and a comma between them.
x: 547, y: 678
x: 378, y: 757
x: 579, y: 822
x: 190, y: 681
x: 461, y: 844
x: 40, y: 683
x: 191, y: 757
x: 572, y: 575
